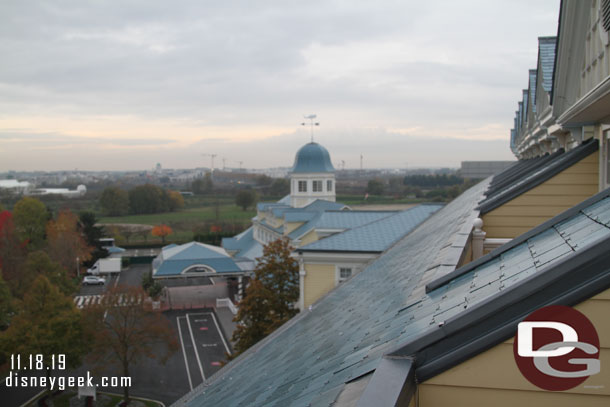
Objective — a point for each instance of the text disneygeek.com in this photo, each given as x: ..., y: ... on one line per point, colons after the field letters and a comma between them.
x: 16, y: 379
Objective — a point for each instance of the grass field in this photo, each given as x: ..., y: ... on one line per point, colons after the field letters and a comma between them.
x: 201, y: 211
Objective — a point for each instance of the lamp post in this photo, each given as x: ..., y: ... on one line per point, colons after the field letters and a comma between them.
x: 77, y: 267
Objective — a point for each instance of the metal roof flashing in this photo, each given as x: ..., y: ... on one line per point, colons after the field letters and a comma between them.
x: 433, y: 285
x: 495, y: 319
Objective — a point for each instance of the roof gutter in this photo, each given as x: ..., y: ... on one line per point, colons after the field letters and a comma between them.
x: 495, y: 319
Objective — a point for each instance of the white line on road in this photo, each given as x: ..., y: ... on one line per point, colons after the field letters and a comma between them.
x: 220, y: 333
x: 188, y: 322
x: 186, y: 364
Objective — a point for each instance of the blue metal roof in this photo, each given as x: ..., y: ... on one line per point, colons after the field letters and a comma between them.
x: 173, y: 260
x: 244, y: 245
x: 312, y: 158
x: 324, y: 205
x: 339, y: 220
x: 383, y: 310
x: 532, y: 89
x: 376, y: 236
x: 310, y: 358
x: 546, y: 57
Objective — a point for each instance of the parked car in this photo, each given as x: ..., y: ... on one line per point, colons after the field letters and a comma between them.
x: 94, y: 280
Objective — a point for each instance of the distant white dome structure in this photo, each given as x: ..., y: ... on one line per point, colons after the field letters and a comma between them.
x: 312, y: 176
x: 81, y: 189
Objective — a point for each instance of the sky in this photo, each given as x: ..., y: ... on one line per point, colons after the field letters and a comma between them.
x: 123, y: 85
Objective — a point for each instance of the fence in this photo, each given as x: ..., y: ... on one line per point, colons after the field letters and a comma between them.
x: 226, y: 302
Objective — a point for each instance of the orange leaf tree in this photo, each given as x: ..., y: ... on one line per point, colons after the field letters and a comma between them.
x: 161, y: 231
x: 65, y: 241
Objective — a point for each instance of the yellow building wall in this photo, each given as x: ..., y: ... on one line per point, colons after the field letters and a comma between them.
x: 493, y: 379
x: 310, y: 237
x: 319, y: 280
x: 539, y: 204
x: 291, y: 226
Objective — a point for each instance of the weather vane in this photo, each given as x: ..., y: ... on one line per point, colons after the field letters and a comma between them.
x: 311, y: 124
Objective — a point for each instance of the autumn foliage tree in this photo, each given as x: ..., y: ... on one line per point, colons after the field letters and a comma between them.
x: 48, y: 323
x: 271, y: 296
x: 12, y: 250
x: 161, y: 231
x: 66, y: 242
x: 125, y: 330
x: 30, y: 217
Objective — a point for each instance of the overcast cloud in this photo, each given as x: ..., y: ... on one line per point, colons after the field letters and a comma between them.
x: 124, y: 85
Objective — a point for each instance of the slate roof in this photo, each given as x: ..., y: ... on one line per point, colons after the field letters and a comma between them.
x: 528, y: 176
x: 310, y: 358
x: 376, y: 236
x: 382, y: 310
x: 173, y: 259
x: 546, y: 56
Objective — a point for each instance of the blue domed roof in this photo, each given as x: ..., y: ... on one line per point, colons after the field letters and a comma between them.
x: 312, y: 158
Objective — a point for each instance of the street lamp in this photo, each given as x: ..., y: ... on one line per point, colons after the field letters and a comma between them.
x: 77, y: 267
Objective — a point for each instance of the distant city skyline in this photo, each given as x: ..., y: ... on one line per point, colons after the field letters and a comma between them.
x: 92, y: 86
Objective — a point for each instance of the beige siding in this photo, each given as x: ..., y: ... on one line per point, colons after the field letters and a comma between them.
x: 291, y: 226
x: 319, y: 279
x: 560, y: 193
x: 310, y: 237
x: 493, y: 379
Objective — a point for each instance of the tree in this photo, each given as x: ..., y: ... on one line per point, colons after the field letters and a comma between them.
x: 92, y: 235
x: 65, y: 242
x: 148, y: 198
x: 48, y: 324
x: 246, y: 198
x: 280, y: 186
x: 39, y: 263
x: 12, y: 251
x: 130, y: 331
x: 161, y: 231
x: 204, y: 185
x: 270, y: 297
x: 30, y: 216
x: 176, y: 200
x: 114, y: 201
x: 375, y: 187
x: 6, y: 305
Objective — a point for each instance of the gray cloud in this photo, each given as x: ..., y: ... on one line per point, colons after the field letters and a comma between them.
x: 435, y: 65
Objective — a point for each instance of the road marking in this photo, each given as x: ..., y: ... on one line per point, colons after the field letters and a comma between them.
x: 208, y: 345
x: 203, y: 328
x: 188, y: 322
x: 186, y: 364
x: 220, y: 333
x: 200, y: 320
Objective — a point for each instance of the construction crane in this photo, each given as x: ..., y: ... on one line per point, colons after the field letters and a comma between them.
x: 212, y: 157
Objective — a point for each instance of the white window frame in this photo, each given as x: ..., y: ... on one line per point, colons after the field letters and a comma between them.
x: 316, y: 186
x: 338, y: 268
x: 329, y: 185
x: 302, y: 186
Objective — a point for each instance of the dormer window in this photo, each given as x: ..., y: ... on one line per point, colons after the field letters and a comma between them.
x: 317, y: 186
x: 302, y: 186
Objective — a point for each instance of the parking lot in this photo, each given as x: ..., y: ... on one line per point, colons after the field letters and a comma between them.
x: 199, y: 333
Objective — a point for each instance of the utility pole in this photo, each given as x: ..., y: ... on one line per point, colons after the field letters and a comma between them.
x: 223, y: 163
x: 311, y: 124
x: 361, y: 158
